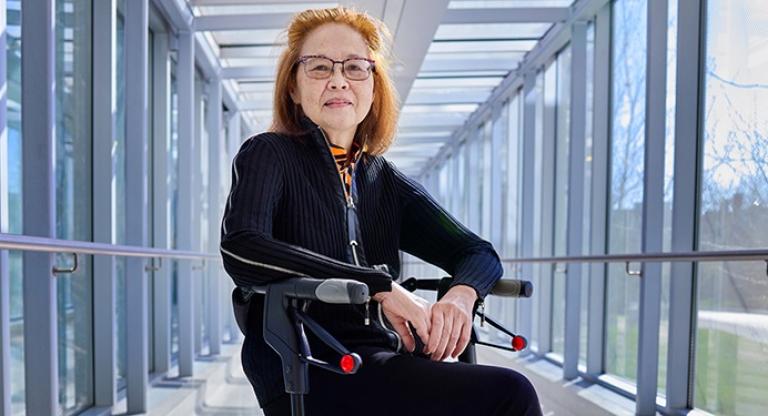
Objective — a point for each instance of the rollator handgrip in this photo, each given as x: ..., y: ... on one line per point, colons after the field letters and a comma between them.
x: 337, y: 291
x: 513, y: 288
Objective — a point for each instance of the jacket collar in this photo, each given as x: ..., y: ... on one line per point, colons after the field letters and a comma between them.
x: 319, y: 138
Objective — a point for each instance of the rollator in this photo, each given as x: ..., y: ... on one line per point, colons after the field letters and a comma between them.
x: 286, y: 320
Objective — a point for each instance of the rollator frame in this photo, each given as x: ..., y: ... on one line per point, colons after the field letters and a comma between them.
x: 285, y: 321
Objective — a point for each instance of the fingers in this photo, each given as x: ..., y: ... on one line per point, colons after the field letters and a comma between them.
x: 405, y: 333
x: 461, y: 344
x: 436, y: 333
x: 447, y: 336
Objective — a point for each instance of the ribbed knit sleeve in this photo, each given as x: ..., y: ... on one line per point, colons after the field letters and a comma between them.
x: 250, y: 253
x: 433, y: 235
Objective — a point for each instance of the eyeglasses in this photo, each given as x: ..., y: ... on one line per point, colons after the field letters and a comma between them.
x: 321, y: 67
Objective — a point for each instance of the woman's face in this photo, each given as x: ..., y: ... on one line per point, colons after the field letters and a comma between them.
x: 336, y: 104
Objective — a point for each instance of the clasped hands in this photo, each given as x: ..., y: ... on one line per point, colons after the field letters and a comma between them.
x: 443, y: 327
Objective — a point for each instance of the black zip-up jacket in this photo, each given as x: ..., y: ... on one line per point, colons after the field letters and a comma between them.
x: 286, y: 216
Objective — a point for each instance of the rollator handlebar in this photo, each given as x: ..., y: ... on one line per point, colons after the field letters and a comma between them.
x: 510, y: 288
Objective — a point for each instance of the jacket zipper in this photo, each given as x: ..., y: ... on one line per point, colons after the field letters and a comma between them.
x: 350, y: 205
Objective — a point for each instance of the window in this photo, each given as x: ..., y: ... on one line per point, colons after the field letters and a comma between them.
x: 731, y: 340
x: 561, y: 166
x: 15, y: 213
x: 73, y: 200
x: 118, y: 195
x: 626, y: 182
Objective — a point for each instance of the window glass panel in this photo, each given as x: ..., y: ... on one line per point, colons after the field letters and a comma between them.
x: 538, y: 93
x: 731, y: 340
x: 511, y: 188
x: 73, y: 200
x: 562, y: 141
x: 173, y: 185
x: 14, y: 207
x: 118, y: 196
x: 669, y: 156
x: 626, y: 182
x: 487, y: 169
x: 587, y: 190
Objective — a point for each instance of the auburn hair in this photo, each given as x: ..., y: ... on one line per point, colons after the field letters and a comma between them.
x: 377, y: 130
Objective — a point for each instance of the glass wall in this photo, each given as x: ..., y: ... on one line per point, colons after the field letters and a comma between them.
x: 628, y: 64
x: 562, y: 141
x: 587, y: 222
x: 536, y: 301
x: 731, y: 372
x: 73, y: 200
x: 173, y: 184
x: 15, y: 213
x: 118, y: 194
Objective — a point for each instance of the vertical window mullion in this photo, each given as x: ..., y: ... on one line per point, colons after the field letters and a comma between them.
x: 653, y: 206
x: 599, y: 194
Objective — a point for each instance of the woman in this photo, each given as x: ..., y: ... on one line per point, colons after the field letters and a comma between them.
x: 313, y: 197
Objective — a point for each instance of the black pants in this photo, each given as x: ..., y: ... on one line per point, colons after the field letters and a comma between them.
x: 399, y: 384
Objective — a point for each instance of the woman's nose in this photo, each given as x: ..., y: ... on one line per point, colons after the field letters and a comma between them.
x: 337, y: 80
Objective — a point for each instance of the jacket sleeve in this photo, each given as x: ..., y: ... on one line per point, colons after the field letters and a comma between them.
x: 251, y: 255
x: 431, y: 234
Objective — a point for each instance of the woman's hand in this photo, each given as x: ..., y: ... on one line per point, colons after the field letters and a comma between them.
x: 401, y: 307
x: 451, y: 323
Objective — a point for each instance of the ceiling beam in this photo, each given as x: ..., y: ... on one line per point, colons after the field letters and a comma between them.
x: 251, y: 72
x: 507, y: 15
x: 247, y: 2
x: 226, y: 22
x: 412, y: 37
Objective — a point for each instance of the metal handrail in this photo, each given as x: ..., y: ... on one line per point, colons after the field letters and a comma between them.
x: 660, y: 257
x: 54, y: 245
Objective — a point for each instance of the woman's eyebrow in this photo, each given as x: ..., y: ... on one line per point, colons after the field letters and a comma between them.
x: 322, y: 55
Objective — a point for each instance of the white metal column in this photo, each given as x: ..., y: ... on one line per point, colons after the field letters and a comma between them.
x: 598, y: 215
x: 104, y: 133
x: 529, y: 98
x: 234, y: 141
x: 136, y: 150
x: 653, y: 207
x: 38, y: 123
x: 197, y: 276
x: 213, y: 273
x: 5, y: 283
x: 185, y: 78
x: 38, y: 118
x: 690, y: 61
x: 575, y: 227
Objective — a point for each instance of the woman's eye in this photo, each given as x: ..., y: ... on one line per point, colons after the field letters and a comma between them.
x: 319, y: 67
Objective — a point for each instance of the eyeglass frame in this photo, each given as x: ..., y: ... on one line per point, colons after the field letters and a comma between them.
x: 305, y: 58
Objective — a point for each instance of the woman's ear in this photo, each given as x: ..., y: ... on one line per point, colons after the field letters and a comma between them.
x: 294, y: 97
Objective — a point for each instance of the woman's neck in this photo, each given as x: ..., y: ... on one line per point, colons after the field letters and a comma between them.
x: 342, y: 139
